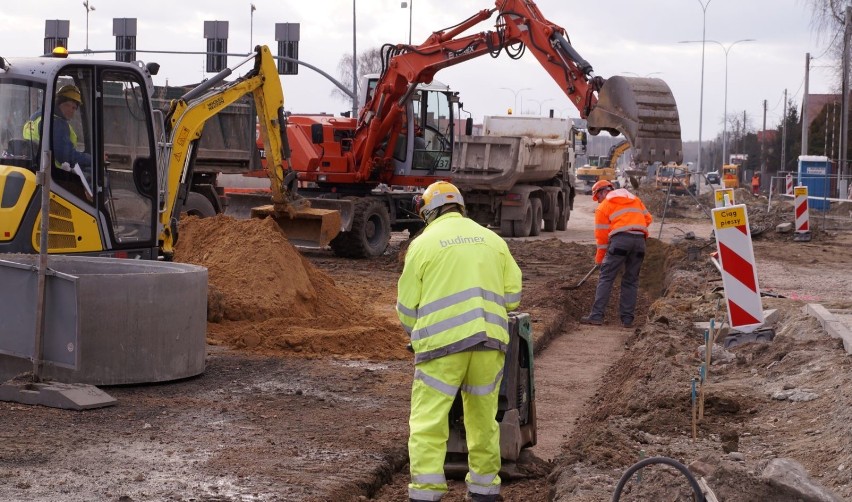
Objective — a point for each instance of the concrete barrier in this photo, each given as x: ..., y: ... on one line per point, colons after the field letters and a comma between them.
x: 108, y: 321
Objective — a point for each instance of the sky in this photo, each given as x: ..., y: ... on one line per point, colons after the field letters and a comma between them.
x: 626, y: 37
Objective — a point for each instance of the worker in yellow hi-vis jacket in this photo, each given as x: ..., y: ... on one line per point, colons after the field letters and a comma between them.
x: 457, y: 286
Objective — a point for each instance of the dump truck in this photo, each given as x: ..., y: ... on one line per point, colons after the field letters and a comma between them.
x: 518, y: 176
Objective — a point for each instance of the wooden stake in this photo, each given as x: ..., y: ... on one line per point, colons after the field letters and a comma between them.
x: 701, y: 394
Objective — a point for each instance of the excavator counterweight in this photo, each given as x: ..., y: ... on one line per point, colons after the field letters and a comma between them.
x: 645, y: 112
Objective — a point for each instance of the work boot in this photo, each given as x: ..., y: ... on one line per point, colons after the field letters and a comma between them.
x: 476, y: 497
x: 627, y: 323
x: 591, y: 320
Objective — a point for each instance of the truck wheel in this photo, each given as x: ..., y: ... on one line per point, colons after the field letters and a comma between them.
x: 198, y: 205
x: 506, y: 228
x: 521, y: 228
x: 564, y: 215
x: 537, y: 215
x: 370, y: 232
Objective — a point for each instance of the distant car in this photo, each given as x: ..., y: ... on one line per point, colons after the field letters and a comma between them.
x: 713, y: 177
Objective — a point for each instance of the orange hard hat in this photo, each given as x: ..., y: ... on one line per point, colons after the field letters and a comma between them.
x: 599, y: 187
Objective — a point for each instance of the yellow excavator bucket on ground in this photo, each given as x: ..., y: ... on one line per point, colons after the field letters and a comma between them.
x: 645, y: 112
x: 307, y: 227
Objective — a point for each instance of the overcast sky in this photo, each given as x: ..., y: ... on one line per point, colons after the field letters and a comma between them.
x: 616, y: 36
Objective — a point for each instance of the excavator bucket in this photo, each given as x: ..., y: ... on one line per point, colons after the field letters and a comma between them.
x: 308, y: 227
x: 645, y: 112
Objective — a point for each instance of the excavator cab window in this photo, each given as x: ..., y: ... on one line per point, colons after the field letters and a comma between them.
x: 19, y: 102
x: 129, y: 174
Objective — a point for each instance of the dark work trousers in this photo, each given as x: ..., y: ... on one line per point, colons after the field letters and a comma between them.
x: 626, y: 250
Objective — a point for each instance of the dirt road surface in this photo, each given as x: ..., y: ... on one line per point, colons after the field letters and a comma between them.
x: 305, y: 395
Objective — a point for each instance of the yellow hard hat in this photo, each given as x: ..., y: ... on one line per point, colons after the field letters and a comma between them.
x: 69, y: 93
x: 437, y: 194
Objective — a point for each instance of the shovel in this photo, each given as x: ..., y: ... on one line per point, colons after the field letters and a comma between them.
x: 592, y: 271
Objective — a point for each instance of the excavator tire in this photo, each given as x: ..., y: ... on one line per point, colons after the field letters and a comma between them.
x: 370, y: 232
x: 645, y: 112
x: 198, y: 205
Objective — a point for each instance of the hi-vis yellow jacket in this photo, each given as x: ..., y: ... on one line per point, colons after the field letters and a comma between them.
x: 458, y: 283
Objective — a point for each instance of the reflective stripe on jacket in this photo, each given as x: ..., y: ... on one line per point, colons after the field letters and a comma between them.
x: 620, y: 211
x: 458, y: 283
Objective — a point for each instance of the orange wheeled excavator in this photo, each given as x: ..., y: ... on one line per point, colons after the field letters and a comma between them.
x: 371, y: 162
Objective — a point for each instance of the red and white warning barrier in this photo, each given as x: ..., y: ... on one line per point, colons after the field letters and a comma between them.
x: 800, y: 205
x: 736, y: 263
x: 789, y: 184
x: 720, y: 194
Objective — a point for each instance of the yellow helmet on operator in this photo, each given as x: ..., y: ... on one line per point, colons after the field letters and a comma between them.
x: 437, y: 195
x: 69, y: 92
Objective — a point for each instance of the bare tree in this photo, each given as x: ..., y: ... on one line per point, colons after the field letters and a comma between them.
x: 369, y: 61
x: 827, y: 21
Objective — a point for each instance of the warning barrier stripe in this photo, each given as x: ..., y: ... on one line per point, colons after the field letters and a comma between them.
x: 737, y: 267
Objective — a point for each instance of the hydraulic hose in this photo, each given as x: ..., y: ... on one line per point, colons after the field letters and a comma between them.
x: 699, y: 495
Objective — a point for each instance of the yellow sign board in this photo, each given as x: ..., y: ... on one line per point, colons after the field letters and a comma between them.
x: 720, y: 196
x: 729, y: 217
x: 800, y: 191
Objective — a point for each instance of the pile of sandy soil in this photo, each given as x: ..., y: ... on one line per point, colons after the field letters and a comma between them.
x: 265, y: 297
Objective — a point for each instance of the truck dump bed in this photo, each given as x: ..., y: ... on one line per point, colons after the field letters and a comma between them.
x: 513, y: 150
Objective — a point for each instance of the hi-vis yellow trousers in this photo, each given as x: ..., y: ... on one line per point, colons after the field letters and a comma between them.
x: 436, y: 382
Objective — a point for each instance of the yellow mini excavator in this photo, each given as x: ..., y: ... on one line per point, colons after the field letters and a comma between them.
x: 118, y: 171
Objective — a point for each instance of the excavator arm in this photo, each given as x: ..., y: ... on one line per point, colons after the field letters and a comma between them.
x: 642, y: 109
x: 185, y: 121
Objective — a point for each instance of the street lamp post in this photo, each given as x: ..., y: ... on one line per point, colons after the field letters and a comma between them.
x: 89, y: 8
x: 726, y: 49
x: 701, y: 103
x: 410, y: 5
x: 251, y: 29
x: 516, y: 93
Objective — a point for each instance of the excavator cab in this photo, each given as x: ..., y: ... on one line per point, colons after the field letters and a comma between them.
x: 90, y: 127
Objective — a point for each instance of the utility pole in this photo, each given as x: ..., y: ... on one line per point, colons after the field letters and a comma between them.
x: 805, y: 105
x: 763, y: 144
x: 783, y: 134
x: 844, y: 114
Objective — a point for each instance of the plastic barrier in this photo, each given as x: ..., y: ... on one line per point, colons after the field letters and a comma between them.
x: 736, y: 263
x: 789, y: 184
x: 720, y: 193
x: 800, y: 206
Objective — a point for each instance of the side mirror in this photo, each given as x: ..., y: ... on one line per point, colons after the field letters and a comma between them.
x: 468, y: 126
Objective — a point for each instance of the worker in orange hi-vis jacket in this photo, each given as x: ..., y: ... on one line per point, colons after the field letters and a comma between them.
x: 621, y: 227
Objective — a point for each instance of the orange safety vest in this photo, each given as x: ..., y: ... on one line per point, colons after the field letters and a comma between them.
x: 620, y: 211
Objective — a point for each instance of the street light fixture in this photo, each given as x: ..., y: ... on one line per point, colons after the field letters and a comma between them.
x: 410, y: 6
x: 89, y: 8
x: 727, y: 49
x: 540, y: 103
x: 516, y: 95
x: 640, y: 76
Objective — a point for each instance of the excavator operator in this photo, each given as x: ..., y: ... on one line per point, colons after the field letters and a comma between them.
x: 65, y: 154
x: 457, y: 286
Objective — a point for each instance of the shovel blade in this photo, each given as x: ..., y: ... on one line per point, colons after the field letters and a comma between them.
x: 645, y: 112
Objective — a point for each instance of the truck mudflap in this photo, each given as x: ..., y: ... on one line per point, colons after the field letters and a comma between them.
x: 645, y: 112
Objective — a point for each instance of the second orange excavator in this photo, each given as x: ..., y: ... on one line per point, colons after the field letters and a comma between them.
x: 365, y: 162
